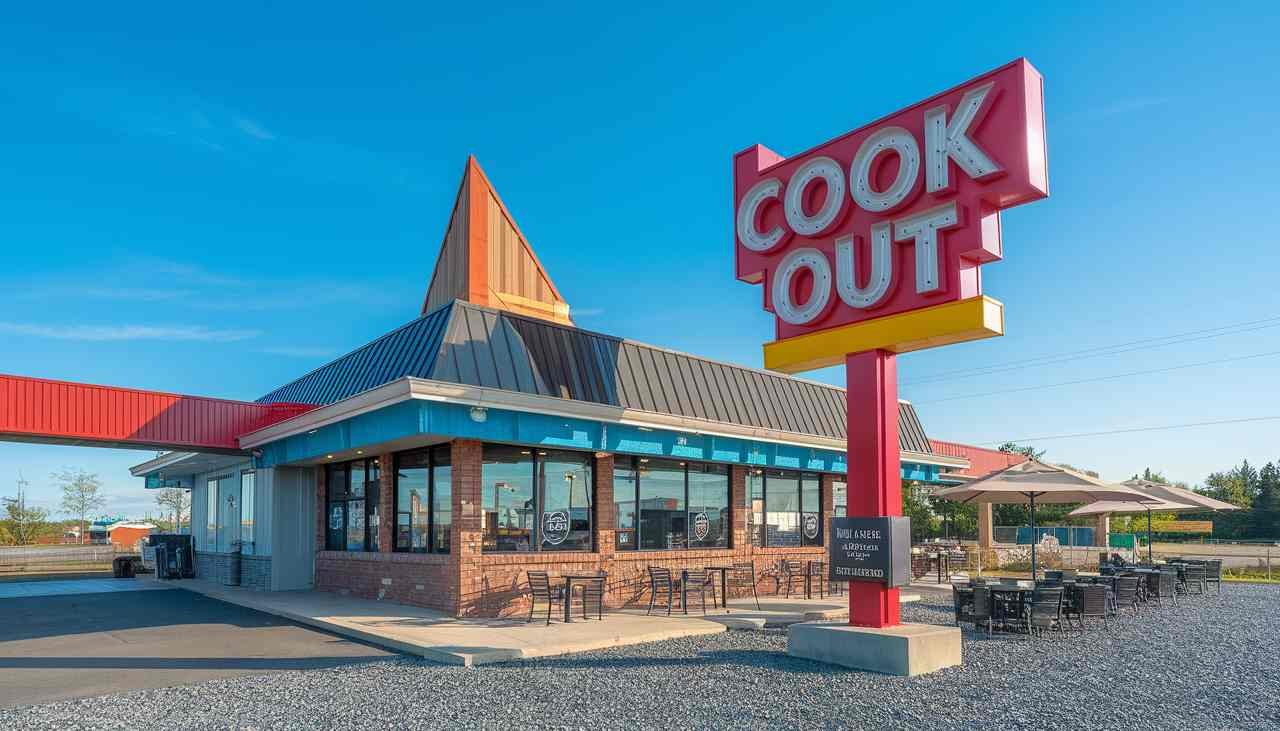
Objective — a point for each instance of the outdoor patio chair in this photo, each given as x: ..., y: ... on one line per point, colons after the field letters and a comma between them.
x: 982, y: 608
x: 1090, y: 601
x: 1162, y: 586
x: 742, y: 575
x: 962, y: 598
x: 698, y: 581
x: 1194, y: 577
x: 817, y: 572
x: 593, y: 596
x: 793, y: 573
x: 541, y: 590
x: 660, y: 579
x: 1045, y: 611
x: 1126, y: 593
x: 1213, y: 574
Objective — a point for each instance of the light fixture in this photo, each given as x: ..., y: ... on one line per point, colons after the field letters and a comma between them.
x: 313, y: 431
x: 328, y: 456
x: 479, y: 414
x: 359, y: 451
x: 525, y: 451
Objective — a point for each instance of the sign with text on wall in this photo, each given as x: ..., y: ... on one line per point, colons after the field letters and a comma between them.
x: 870, y: 549
x: 875, y: 239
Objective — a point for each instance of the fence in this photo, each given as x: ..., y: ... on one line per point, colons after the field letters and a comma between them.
x: 18, y: 560
x: 1067, y: 535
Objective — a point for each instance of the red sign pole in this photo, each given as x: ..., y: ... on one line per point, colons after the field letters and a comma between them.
x: 874, y: 486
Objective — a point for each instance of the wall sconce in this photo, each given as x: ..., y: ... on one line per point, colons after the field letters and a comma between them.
x: 479, y: 414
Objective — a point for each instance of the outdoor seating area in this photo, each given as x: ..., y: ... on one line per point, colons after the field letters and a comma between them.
x: 571, y: 595
x: 1064, y: 600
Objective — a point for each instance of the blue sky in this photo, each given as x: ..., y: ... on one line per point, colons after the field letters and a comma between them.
x: 215, y: 204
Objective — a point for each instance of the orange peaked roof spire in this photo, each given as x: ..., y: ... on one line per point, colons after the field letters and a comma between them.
x: 485, y: 258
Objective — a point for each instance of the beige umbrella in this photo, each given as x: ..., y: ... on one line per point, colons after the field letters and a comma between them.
x: 1034, y: 481
x: 1161, y: 498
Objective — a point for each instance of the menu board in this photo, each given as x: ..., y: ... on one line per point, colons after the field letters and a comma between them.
x: 870, y: 549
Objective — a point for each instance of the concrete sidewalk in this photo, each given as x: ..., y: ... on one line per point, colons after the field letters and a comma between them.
x: 437, y: 636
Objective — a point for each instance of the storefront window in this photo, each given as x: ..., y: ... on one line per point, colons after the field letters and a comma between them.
x: 708, y: 506
x: 248, y: 481
x: 755, y: 502
x: 507, y: 495
x: 424, y: 494
x: 839, y: 498
x: 564, y: 485
x: 536, y: 500
x: 352, y: 517
x: 441, y: 499
x: 624, y: 503
x: 211, y: 515
x: 670, y: 504
x: 792, y: 508
x: 662, y: 500
x: 810, y: 510
x: 782, y: 508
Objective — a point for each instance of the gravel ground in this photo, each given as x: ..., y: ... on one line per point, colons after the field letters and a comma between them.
x: 1211, y: 663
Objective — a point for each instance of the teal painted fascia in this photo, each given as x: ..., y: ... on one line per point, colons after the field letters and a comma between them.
x: 434, y: 418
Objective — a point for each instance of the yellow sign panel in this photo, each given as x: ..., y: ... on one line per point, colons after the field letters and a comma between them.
x: 1185, y: 526
x: 954, y: 322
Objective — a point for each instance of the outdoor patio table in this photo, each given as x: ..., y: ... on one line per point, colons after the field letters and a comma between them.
x: 724, y: 584
x: 568, y: 590
x: 1013, y: 594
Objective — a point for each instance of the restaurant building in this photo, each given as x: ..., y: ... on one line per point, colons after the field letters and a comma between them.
x: 490, y: 436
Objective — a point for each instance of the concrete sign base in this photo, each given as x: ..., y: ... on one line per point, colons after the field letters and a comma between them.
x: 905, y: 649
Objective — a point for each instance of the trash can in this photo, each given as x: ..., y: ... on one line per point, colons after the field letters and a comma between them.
x: 233, y: 567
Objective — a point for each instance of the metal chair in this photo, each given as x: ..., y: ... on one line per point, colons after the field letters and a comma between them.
x: 1213, y: 574
x: 1045, y: 612
x: 1162, y: 586
x: 817, y: 570
x: 982, y: 608
x: 742, y: 575
x: 962, y: 598
x: 698, y: 580
x: 1194, y: 575
x: 593, y: 595
x: 660, y: 578
x: 541, y: 590
x: 792, y: 572
x: 1091, y: 601
x: 1126, y: 593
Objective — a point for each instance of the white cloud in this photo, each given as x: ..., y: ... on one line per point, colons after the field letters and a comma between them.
x: 253, y: 129
x: 114, y: 333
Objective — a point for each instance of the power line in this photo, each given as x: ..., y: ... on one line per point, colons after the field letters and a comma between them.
x: 1099, y: 378
x: 1164, y: 427
x: 1116, y: 349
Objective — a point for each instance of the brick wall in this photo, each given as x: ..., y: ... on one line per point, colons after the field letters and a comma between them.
x: 408, y: 578
x: 255, y: 571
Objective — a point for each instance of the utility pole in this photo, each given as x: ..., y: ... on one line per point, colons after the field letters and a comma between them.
x: 20, y: 525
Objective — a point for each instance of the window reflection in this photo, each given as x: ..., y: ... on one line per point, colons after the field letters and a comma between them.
x: 536, y: 499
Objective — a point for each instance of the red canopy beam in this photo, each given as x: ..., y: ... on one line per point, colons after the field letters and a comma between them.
x: 60, y: 412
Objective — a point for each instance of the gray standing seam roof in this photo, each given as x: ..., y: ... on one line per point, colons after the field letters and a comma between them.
x: 467, y: 344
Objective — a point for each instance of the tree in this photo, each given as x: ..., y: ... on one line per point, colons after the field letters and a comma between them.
x: 80, y: 495
x: 1014, y: 448
x: 175, y: 501
x: 23, y: 523
x: 1152, y: 476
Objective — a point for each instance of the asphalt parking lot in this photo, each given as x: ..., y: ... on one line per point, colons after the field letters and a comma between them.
x: 69, y: 639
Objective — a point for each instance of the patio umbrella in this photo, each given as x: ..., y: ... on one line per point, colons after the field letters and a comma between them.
x: 1160, y: 498
x: 1034, y: 481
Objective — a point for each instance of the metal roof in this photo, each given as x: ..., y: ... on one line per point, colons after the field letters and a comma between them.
x: 478, y: 346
